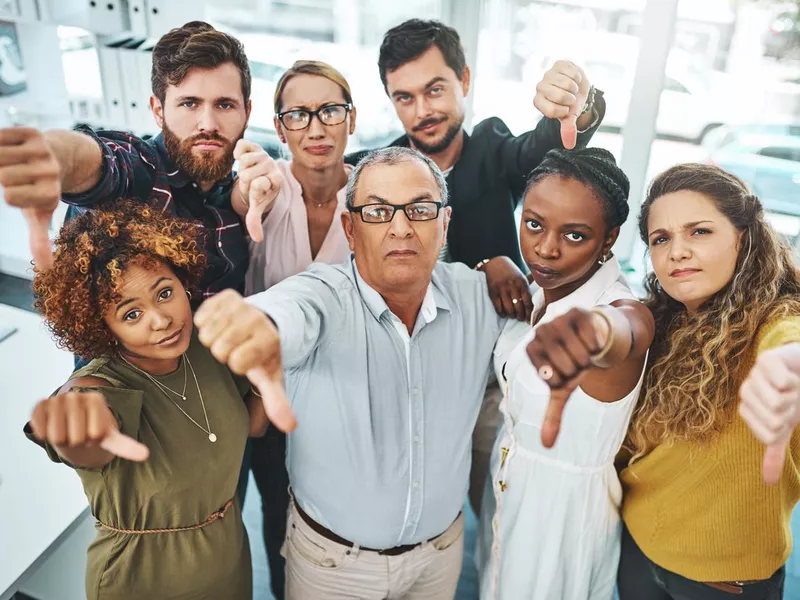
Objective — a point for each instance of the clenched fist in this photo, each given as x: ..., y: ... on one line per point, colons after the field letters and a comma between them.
x: 561, y: 94
x: 260, y: 182
x: 241, y: 336
x: 771, y: 405
x: 83, y: 421
x: 30, y: 176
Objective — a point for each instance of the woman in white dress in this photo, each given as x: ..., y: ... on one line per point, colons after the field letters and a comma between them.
x: 550, y: 525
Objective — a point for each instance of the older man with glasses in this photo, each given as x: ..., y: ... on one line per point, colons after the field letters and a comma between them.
x: 386, y: 359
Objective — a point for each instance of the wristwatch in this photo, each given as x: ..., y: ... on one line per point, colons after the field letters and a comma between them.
x: 590, y: 106
x: 589, y: 100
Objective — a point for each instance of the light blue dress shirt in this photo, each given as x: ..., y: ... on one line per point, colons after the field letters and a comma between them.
x: 381, y: 454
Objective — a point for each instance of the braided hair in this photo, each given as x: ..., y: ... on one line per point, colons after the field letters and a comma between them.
x: 594, y: 167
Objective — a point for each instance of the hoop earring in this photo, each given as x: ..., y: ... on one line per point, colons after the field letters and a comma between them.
x: 188, y: 293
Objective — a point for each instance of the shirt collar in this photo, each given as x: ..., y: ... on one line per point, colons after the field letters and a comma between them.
x: 586, y: 295
x: 434, y: 299
x: 175, y: 176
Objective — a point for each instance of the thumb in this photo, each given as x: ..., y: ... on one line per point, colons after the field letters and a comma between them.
x: 124, y: 446
x: 252, y: 220
x: 38, y: 225
x: 253, y: 223
x: 774, y: 458
x: 569, y: 131
x: 553, y: 415
x: 276, y: 404
x: 555, y: 410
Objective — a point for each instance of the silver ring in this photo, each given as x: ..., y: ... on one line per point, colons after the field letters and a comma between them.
x: 546, y: 372
x: 514, y: 300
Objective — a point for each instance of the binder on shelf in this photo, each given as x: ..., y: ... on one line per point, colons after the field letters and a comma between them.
x: 163, y: 15
x: 137, y: 16
x: 145, y: 60
x: 9, y: 9
x: 113, y: 94
x: 135, y: 97
x: 28, y: 10
x: 106, y: 16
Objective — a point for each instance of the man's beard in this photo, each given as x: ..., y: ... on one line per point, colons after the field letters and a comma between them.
x: 203, y: 166
x: 441, y: 145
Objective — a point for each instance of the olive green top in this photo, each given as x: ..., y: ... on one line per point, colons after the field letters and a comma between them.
x: 184, y: 481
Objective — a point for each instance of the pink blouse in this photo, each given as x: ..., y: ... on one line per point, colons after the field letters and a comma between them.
x: 286, y: 249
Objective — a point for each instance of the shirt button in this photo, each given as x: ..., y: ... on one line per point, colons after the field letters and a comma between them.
x: 416, y: 439
x: 415, y: 391
x: 416, y: 484
x: 194, y: 185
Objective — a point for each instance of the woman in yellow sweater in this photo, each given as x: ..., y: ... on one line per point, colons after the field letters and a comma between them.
x: 706, y: 503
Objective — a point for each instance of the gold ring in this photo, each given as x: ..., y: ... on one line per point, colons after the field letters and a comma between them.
x: 514, y: 301
x: 546, y: 372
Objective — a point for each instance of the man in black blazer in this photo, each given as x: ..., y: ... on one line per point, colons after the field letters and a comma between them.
x: 425, y: 74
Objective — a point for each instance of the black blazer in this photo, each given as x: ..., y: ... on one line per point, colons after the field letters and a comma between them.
x: 487, y: 182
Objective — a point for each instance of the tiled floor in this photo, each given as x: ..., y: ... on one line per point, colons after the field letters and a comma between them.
x: 16, y: 292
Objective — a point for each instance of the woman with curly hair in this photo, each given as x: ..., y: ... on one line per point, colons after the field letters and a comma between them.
x: 702, y: 520
x: 154, y: 426
x: 551, y: 527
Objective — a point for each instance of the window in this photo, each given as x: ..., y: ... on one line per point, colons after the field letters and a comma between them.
x: 519, y: 40
x: 783, y: 153
x: 741, y: 109
x: 343, y: 33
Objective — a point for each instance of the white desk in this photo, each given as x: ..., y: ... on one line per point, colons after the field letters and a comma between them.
x: 41, y: 503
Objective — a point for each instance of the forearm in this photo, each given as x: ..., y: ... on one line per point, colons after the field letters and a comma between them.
x: 631, y: 333
x: 299, y: 308
x: 586, y: 120
x: 79, y: 157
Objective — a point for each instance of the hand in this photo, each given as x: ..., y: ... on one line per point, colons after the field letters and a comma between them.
x: 562, y: 94
x: 260, y: 182
x: 31, y: 180
x: 770, y: 407
x: 83, y: 419
x: 563, y: 349
x: 241, y: 336
x: 507, y: 284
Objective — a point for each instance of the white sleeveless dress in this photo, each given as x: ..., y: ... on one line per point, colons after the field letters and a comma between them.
x: 550, y: 525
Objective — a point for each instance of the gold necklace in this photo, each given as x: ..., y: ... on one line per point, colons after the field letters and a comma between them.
x: 212, y: 437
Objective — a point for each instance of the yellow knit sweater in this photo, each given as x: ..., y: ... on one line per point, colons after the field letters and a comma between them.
x: 703, y: 510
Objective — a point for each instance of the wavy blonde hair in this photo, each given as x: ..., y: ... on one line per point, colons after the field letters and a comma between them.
x: 695, y: 364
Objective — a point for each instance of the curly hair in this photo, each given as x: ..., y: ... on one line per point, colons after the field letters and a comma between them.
x: 91, y: 255
x: 697, y: 361
x: 594, y: 167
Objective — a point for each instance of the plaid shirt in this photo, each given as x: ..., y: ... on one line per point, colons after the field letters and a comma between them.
x: 142, y: 169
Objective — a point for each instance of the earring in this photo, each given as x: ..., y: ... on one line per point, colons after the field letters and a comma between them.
x: 602, y: 260
x: 188, y: 293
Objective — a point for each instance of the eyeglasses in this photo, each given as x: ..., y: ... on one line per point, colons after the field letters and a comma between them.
x: 384, y: 213
x: 297, y: 119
